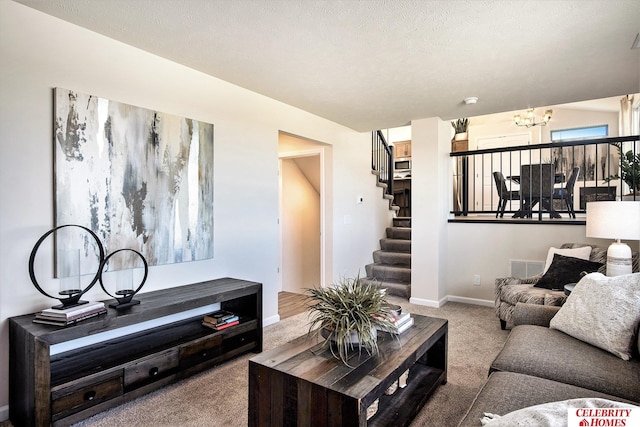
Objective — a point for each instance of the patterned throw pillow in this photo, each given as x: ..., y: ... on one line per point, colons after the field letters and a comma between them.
x: 603, y: 311
x: 565, y: 270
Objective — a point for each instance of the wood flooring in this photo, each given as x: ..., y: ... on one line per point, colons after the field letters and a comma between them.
x: 290, y: 304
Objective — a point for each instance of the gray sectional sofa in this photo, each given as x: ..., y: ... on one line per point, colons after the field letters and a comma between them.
x: 539, y: 365
x: 512, y: 290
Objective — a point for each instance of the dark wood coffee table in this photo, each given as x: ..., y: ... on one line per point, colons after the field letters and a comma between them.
x: 302, y: 384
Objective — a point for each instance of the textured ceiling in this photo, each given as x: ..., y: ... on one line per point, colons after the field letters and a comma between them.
x: 372, y: 64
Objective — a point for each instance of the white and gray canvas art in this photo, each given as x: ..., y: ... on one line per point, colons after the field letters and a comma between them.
x: 140, y: 179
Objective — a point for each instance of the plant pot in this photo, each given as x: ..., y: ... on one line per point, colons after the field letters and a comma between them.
x: 354, y: 338
x: 463, y: 136
x: 462, y: 145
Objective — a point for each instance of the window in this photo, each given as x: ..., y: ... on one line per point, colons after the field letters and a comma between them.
x: 580, y: 133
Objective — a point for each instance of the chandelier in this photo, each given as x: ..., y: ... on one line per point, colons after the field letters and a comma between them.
x: 529, y: 118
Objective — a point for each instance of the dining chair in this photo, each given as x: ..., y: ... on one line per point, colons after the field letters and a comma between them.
x: 504, y: 193
x: 566, y: 193
x: 536, y: 185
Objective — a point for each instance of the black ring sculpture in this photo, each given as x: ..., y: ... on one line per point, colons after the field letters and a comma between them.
x: 126, y: 300
x: 73, y: 299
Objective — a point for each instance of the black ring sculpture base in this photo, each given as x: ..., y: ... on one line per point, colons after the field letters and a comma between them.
x: 126, y: 301
x: 122, y: 305
x: 69, y: 303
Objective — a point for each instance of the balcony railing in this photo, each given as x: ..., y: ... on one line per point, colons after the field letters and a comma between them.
x: 382, y: 160
x: 609, y: 169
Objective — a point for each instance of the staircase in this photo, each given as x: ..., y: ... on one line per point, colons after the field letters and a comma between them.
x: 391, y: 268
x: 385, y: 194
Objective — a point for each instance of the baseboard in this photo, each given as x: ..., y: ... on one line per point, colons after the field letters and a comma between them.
x: 270, y: 320
x: 428, y: 302
x: 466, y: 300
x: 450, y: 298
x: 4, y: 413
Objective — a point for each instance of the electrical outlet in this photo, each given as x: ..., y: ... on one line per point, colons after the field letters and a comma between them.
x: 476, y: 280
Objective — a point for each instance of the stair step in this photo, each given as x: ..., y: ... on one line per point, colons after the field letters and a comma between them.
x: 395, y: 245
x: 403, y: 221
x: 401, y: 233
x: 401, y: 289
x: 389, y: 272
x: 392, y: 258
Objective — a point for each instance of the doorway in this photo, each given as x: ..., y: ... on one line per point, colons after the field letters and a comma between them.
x: 302, y: 214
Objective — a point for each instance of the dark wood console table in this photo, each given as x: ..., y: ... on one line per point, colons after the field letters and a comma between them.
x: 163, y: 340
x: 302, y: 384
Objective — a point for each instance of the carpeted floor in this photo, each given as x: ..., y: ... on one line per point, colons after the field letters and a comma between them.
x: 218, y: 397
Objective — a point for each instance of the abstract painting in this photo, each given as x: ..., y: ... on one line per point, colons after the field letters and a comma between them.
x: 140, y: 179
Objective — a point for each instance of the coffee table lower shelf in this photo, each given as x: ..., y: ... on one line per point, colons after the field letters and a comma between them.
x: 400, y: 408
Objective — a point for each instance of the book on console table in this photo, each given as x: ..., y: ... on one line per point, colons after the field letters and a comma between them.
x: 220, y: 320
x: 220, y: 326
x: 61, y: 321
x: 220, y: 317
x: 67, y: 313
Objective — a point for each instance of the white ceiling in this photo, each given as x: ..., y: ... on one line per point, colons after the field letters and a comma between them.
x: 372, y: 64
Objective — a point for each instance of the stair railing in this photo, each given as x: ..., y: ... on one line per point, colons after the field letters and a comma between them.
x: 382, y: 160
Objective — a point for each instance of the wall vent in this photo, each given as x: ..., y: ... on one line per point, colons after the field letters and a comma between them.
x: 525, y: 268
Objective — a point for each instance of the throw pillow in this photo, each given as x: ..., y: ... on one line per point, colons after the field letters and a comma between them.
x: 582, y: 253
x: 602, y: 311
x: 553, y: 413
x: 565, y: 270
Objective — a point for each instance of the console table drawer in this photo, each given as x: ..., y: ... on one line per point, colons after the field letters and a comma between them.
x: 200, y: 351
x: 147, y: 370
x: 85, y: 393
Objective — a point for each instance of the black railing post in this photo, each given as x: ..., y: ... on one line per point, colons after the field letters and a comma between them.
x: 465, y: 186
x: 390, y: 165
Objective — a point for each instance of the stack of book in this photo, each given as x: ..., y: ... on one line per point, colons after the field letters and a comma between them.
x: 220, y: 320
x: 401, y: 323
x: 70, y: 316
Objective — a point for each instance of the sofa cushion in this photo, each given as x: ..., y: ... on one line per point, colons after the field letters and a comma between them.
x: 549, y: 353
x: 582, y: 252
x: 603, y: 311
x: 565, y: 270
x: 514, y: 294
x: 505, y: 392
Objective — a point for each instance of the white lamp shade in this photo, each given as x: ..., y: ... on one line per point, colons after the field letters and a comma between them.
x: 614, y: 220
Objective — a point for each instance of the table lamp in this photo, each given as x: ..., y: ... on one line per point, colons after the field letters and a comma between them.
x: 615, y: 220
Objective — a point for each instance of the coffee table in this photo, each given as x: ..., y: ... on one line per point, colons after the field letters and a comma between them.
x: 302, y: 384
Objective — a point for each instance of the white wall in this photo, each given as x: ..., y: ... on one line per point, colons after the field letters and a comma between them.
x: 486, y: 249
x: 367, y: 220
x: 493, y: 125
x: 431, y: 200
x: 40, y: 52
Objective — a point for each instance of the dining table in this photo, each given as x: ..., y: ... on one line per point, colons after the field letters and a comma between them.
x: 526, y: 205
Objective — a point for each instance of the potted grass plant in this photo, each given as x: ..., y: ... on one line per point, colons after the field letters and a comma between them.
x: 348, y: 314
x: 629, y: 171
x: 460, y: 140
